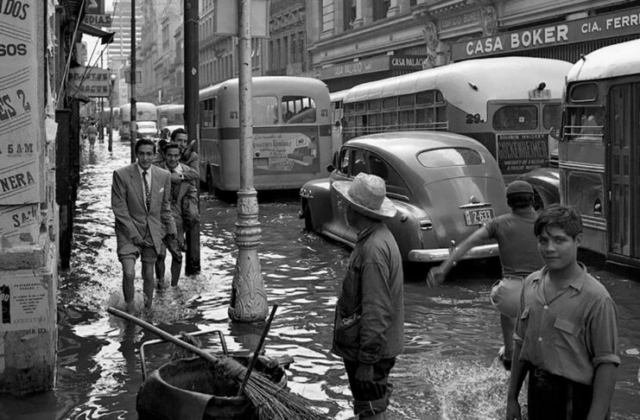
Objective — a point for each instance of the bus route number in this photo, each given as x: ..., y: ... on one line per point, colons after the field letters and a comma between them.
x: 474, y: 119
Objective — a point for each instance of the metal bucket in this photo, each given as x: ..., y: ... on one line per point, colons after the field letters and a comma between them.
x: 195, y: 389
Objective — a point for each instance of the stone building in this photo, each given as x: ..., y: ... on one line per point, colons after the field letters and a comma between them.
x: 354, y: 41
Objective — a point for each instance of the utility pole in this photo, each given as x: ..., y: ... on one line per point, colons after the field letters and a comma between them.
x: 248, y: 297
x: 191, y: 113
x: 102, y: 119
x: 132, y: 78
x: 112, y: 79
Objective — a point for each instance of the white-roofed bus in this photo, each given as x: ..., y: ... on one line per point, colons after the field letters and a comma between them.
x: 509, y: 104
x: 599, y: 151
x: 170, y: 114
x: 291, y: 133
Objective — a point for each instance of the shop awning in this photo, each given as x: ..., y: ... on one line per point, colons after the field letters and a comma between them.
x: 106, y: 37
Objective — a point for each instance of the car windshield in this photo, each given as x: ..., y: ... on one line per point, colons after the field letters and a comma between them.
x: 451, y: 156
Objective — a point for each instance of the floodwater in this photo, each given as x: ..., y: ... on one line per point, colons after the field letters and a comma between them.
x: 452, y: 334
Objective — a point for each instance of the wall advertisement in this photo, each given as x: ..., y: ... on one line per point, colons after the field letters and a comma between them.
x: 19, y: 116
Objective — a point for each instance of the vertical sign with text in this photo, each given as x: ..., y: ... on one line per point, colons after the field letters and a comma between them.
x: 19, y: 116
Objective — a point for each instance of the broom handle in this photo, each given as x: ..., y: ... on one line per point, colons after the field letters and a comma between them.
x: 165, y: 335
x: 257, y: 352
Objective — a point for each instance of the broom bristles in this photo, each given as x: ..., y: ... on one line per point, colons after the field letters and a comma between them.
x: 272, y: 401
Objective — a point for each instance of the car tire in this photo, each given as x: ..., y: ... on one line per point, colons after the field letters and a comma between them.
x: 308, y: 221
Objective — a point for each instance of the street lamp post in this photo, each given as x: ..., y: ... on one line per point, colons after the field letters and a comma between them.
x: 113, y: 81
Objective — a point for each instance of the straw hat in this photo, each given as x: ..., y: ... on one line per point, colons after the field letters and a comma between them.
x: 367, y: 194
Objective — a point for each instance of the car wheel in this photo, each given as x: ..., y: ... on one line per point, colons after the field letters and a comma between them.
x: 308, y: 221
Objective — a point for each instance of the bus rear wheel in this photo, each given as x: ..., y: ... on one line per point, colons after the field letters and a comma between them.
x: 211, y: 189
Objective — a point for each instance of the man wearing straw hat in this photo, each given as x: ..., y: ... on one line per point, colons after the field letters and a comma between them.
x: 369, y: 324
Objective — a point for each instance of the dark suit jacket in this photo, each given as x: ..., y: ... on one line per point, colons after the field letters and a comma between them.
x: 128, y: 205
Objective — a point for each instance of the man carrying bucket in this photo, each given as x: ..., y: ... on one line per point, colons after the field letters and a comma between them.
x: 369, y: 324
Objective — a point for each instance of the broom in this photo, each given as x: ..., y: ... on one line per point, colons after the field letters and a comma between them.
x: 270, y: 400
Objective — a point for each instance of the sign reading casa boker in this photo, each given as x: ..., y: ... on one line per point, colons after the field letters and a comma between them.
x: 620, y: 23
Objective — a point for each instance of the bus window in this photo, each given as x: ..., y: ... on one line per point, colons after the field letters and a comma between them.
x: 389, y: 121
x: 425, y: 98
x: 551, y: 116
x: 390, y: 103
x: 406, y: 101
x: 361, y: 125
x: 407, y: 119
x: 516, y: 117
x: 584, y: 123
x: 584, y: 92
x: 425, y: 118
x: 375, y: 120
x: 208, y: 116
x: 265, y: 110
x: 298, y: 110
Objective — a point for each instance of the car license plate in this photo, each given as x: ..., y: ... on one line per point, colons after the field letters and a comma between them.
x: 478, y: 217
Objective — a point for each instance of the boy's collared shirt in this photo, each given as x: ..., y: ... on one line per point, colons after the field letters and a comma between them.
x: 571, y: 334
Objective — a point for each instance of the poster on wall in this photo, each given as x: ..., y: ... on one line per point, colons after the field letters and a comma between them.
x: 24, y: 303
x: 19, y: 112
x: 284, y: 153
x: 519, y: 153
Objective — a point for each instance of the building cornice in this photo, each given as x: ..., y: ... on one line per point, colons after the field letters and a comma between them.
x: 385, y: 27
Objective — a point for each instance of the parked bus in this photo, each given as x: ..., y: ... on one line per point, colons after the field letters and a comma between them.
x: 599, y: 154
x: 170, y: 114
x: 291, y: 133
x: 145, y: 111
x: 508, y: 104
x: 337, y: 105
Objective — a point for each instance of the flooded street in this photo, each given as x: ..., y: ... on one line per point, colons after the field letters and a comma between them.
x: 452, y: 334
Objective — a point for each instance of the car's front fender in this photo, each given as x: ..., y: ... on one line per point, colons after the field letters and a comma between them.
x: 546, y: 183
x: 315, y: 198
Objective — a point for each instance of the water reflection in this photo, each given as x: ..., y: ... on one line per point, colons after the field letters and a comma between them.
x: 448, y: 370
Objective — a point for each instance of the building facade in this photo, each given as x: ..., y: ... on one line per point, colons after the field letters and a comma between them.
x: 119, y: 51
x: 354, y: 41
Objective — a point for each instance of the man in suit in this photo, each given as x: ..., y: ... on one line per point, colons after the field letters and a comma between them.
x: 141, y: 203
x: 183, y: 193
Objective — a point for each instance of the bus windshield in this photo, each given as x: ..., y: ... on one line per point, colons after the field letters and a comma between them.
x: 584, y: 123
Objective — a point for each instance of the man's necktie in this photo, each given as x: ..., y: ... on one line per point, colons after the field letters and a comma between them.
x: 147, y: 193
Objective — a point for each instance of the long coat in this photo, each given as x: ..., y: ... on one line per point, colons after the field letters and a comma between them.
x: 128, y: 205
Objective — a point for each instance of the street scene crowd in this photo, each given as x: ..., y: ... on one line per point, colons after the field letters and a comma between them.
x: 559, y: 324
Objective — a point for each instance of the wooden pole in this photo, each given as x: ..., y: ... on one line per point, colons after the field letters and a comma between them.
x: 132, y: 79
x: 248, y: 297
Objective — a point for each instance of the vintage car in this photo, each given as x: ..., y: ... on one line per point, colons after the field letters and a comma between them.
x: 444, y: 185
x: 146, y: 130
